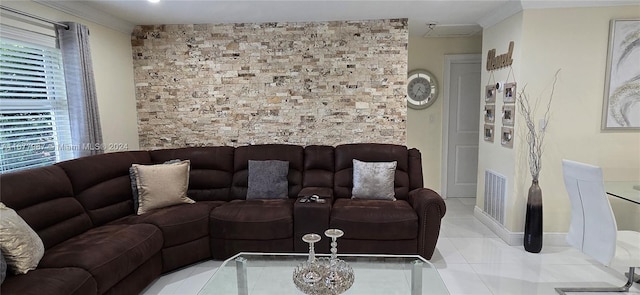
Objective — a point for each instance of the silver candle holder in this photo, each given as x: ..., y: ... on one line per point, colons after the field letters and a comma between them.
x: 323, y: 275
x: 334, y: 234
x: 308, y: 275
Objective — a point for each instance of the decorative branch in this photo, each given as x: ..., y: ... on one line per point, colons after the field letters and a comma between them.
x: 535, y: 139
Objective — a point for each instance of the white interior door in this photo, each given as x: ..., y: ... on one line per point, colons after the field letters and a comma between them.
x: 462, y: 126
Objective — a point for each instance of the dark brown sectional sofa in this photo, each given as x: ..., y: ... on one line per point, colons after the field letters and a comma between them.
x: 82, y: 210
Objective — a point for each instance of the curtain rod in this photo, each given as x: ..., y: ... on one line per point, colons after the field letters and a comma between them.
x: 34, y: 16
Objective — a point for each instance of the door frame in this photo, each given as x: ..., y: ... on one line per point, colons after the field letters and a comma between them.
x: 450, y: 59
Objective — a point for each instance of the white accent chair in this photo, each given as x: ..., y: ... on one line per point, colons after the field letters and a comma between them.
x: 593, y: 228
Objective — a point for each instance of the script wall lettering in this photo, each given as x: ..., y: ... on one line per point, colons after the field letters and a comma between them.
x: 497, y: 62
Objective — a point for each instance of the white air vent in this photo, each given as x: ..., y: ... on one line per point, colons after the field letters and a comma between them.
x: 495, y: 187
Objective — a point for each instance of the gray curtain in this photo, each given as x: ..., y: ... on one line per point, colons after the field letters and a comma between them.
x: 86, y: 133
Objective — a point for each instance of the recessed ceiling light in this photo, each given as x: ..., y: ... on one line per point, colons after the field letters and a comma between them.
x: 154, y: 1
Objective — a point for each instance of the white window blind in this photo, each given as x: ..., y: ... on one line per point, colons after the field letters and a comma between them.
x: 34, y: 119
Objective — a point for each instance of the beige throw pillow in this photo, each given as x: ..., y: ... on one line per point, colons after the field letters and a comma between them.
x: 374, y: 180
x: 162, y: 185
x: 21, y: 246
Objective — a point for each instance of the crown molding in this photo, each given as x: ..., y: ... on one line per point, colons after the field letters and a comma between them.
x: 536, y: 4
x: 514, y: 6
x: 501, y: 13
x: 91, y: 14
x: 509, y: 8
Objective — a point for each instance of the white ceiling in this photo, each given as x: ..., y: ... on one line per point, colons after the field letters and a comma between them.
x: 450, y: 16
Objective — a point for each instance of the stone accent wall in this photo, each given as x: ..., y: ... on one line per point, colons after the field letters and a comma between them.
x: 300, y: 83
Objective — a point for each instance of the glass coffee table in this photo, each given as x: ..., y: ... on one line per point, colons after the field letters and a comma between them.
x: 272, y: 273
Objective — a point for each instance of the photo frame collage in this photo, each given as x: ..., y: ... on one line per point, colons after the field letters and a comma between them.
x: 507, y: 113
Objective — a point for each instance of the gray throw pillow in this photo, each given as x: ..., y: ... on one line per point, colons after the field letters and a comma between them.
x: 268, y: 180
x: 373, y: 180
x: 3, y: 268
x: 134, y: 189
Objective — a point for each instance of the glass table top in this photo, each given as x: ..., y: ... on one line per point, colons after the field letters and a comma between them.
x: 627, y: 190
x: 272, y: 273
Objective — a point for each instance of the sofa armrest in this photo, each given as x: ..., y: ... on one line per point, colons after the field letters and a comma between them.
x: 430, y: 208
x: 311, y: 217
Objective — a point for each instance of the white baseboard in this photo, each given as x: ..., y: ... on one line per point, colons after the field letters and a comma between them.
x: 516, y: 238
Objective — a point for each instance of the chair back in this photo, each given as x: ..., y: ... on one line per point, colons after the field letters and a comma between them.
x: 593, y: 228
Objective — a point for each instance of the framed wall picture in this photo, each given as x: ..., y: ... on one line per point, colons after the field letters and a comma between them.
x: 509, y: 92
x: 488, y: 132
x: 508, y: 114
x: 621, y: 106
x: 489, y: 113
x: 490, y: 94
x: 506, y: 137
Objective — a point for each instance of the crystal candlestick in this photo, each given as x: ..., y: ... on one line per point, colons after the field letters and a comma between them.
x: 307, y: 275
x: 311, y: 239
x: 334, y: 234
x: 339, y: 277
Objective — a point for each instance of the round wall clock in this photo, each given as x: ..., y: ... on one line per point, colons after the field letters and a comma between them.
x: 422, y: 89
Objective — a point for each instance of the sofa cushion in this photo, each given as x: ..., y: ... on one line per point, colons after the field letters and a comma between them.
x: 318, y: 166
x: 373, y: 180
x: 137, y: 281
x: 211, y: 170
x: 293, y: 154
x: 109, y: 252
x: 179, y: 224
x: 374, y: 219
x: 20, y: 245
x: 33, y: 192
x: 102, y: 185
x: 51, y: 281
x: 415, y: 169
x: 161, y: 185
x: 253, y: 220
x: 268, y: 180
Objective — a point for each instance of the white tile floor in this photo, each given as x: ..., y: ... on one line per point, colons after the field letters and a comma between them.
x: 470, y: 258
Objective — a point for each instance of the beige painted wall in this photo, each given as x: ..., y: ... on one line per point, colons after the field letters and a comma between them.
x: 574, y: 133
x: 424, y: 127
x: 492, y: 155
x: 575, y: 41
x: 113, y: 72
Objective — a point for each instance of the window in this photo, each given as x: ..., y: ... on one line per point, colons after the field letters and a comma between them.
x: 34, y: 119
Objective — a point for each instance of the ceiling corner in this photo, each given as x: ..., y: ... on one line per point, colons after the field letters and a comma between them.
x: 533, y: 4
x: 89, y: 13
x: 501, y: 13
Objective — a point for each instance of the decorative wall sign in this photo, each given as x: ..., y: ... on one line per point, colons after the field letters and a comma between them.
x: 509, y: 92
x: 508, y: 114
x: 488, y: 132
x: 497, y: 62
x: 506, y: 137
x: 489, y: 113
x: 490, y: 93
x: 621, y: 108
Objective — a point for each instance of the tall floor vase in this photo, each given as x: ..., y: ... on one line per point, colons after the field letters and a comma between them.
x: 533, y: 221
